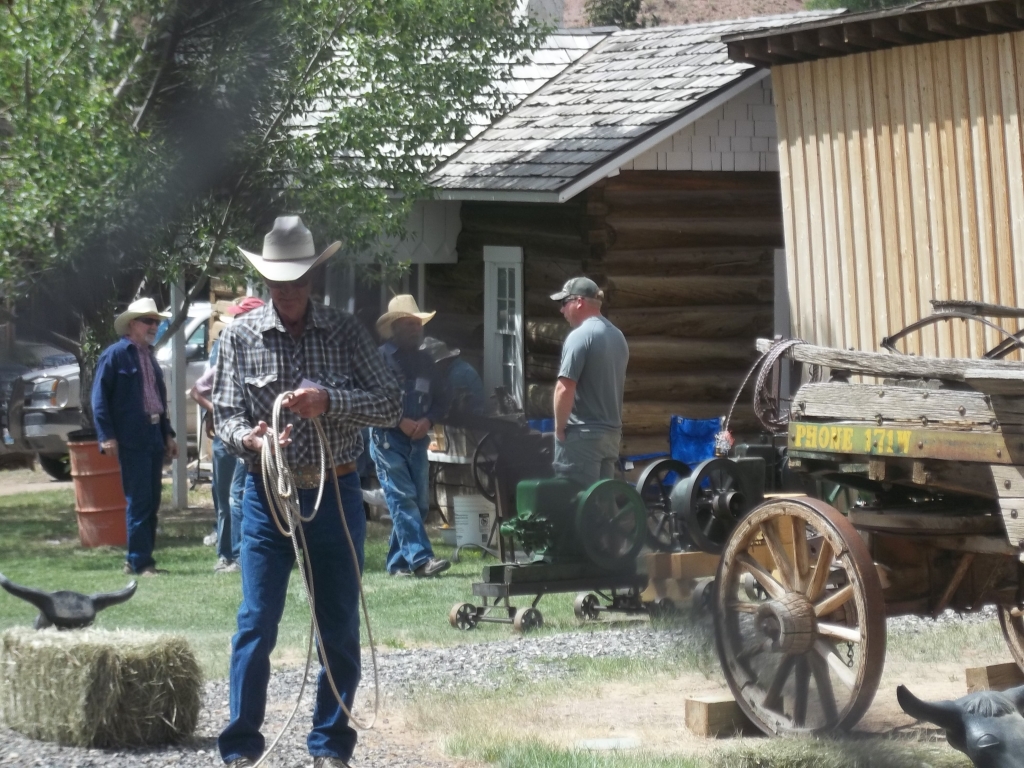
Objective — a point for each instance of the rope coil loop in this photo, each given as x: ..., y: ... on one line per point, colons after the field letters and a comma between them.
x: 286, y: 512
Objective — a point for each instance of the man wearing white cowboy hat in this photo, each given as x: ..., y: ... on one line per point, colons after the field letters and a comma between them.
x: 129, y: 407
x: 400, y: 452
x: 329, y: 363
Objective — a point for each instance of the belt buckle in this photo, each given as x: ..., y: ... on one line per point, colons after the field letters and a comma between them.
x: 154, y: 418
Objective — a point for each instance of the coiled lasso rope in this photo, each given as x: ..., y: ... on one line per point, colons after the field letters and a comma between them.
x: 286, y: 513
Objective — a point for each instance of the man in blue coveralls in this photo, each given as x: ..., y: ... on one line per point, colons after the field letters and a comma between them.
x: 400, y: 452
x: 129, y: 409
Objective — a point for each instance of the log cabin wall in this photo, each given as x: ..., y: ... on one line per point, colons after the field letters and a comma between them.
x: 687, y: 263
x: 552, y: 237
x: 903, y: 181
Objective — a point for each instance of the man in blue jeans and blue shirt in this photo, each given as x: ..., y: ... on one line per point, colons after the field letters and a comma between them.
x: 329, y: 363
x: 400, y: 452
x: 129, y: 410
x: 588, y: 393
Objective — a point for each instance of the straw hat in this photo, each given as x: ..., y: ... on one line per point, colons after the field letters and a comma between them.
x: 138, y: 308
x: 403, y: 305
x: 288, y: 251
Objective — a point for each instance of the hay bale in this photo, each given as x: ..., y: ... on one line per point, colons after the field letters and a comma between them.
x: 95, y: 688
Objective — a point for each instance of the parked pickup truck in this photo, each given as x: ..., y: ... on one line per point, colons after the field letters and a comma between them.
x: 45, y: 405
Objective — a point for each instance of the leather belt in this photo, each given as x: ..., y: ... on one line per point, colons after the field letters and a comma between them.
x: 308, y: 477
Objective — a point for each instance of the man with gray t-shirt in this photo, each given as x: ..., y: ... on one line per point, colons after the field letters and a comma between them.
x: 588, y: 394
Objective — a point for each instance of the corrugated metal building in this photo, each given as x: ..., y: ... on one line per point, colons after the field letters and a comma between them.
x: 901, y: 153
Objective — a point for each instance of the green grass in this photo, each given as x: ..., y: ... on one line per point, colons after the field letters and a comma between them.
x: 948, y: 643
x: 39, y: 547
x: 863, y: 752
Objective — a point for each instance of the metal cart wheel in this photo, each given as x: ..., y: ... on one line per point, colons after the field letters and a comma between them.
x: 585, y: 606
x: 655, y: 488
x: 710, y: 502
x: 527, y: 620
x: 1013, y: 633
x: 703, y: 596
x: 484, y: 459
x: 463, y: 616
x: 612, y: 523
x: 809, y: 658
x: 661, y: 608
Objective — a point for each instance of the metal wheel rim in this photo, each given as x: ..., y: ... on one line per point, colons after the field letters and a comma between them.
x: 661, y: 536
x: 585, y: 607
x: 527, y: 619
x: 765, y: 682
x: 706, y: 530
x: 611, y: 519
x: 463, y: 616
x: 484, y: 460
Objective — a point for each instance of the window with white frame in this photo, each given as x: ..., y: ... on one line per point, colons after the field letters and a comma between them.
x: 503, y: 320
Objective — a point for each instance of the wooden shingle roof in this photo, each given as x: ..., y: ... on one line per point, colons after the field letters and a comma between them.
x: 634, y: 87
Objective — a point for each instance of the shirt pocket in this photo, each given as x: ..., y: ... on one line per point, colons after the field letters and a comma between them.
x: 127, y: 370
x: 334, y: 380
x: 262, y: 390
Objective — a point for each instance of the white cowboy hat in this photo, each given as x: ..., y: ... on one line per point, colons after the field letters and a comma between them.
x: 403, y: 305
x: 288, y: 251
x: 138, y: 308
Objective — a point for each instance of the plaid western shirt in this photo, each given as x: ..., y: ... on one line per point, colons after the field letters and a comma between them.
x: 258, y: 360
x: 150, y: 397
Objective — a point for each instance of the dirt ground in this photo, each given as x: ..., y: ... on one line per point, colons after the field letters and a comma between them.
x: 652, y: 720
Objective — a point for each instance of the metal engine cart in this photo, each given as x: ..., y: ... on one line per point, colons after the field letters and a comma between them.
x: 935, y: 455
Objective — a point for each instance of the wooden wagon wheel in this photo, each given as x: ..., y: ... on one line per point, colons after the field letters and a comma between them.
x: 1013, y: 633
x: 808, y: 656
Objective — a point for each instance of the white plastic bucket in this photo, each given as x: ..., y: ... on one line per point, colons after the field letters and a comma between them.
x: 473, y: 518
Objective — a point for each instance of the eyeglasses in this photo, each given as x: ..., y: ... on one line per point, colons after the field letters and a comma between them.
x: 151, y: 321
x: 567, y: 299
x: 277, y: 285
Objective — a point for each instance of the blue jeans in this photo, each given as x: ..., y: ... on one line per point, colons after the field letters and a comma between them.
x: 141, y: 471
x: 403, y: 471
x: 267, y: 559
x: 227, y: 470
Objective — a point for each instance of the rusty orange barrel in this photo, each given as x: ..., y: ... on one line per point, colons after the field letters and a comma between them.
x: 99, y: 496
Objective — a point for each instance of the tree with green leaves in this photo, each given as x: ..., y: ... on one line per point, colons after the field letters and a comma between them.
x: 141, y: 140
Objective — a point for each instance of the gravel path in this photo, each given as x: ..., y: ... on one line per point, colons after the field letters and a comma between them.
x: 403, y: 673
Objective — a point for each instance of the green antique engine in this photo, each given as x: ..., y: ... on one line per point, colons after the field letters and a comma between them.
x: 558, y: 521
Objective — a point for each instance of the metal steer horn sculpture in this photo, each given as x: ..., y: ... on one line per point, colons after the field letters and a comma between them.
x: 986, y: 726
x: 64, y: 609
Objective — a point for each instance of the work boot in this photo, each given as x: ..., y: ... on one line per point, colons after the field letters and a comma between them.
x: 329, y: 762
x: 432, y: 567
x: 128, y: 570
x: 227, y: 566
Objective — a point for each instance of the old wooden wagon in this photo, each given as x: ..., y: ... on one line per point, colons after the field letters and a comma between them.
x: 934, y: 457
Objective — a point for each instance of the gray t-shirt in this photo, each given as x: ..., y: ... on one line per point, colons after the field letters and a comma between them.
x: 594, y: 355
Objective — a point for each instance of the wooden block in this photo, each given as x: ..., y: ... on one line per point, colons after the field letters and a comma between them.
x: 995, y: 677
x: 659, y: 565
x: 693, y: 565
x: 714, y: 714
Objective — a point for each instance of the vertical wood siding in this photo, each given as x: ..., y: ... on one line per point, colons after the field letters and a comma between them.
x: 903, y: 181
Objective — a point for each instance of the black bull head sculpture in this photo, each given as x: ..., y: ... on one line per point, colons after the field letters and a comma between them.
x: 66, y: 610
x: 986, y: 726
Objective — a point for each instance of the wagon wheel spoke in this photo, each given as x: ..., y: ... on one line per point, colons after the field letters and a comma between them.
x: 834, y: 601
x: 754, y: 650
x: 743, y: 607
x: 803, y: 684
x: 765, y: 579
x: 826, y: 695
x: 778, y: 551
x: 839, y: 632
x: 773, y: 696
x: 828, y: 653
x: 801, y: 552
x: 821, y: 570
